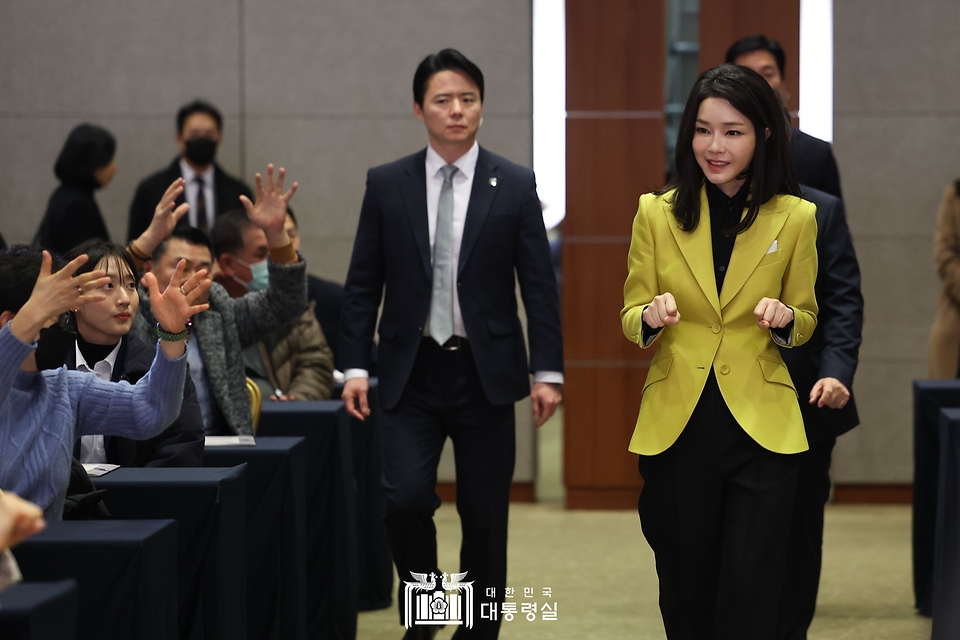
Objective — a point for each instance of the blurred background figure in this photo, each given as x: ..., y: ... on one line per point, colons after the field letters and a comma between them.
x: 84, y: 165
x: 944, y: 345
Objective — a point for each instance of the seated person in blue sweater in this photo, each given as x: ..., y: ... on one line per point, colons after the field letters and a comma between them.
x: 42, y: 413
x: 98, y: 341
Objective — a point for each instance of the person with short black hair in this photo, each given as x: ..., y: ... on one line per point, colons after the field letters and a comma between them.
x: 208, y: 189
x: 100, y: 342
x: 219, y: 336
x: 43, y: 412
x: 85, y: 164
x: 292, y: 360
x: 444, y: 237
x: 813, y: 161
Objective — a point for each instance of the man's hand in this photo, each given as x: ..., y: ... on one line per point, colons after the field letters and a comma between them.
x: 544, y: 397
x: 56, y: 293
x: 19, y: 519
x: 829, y: 392
x: 661, y: 311
x: 772, y: 314
x: 270, y: 211
x: 283, y: 398
x: 165, y: 218
x: 355, y: 397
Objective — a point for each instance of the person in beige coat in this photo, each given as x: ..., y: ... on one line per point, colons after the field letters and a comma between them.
x: 944, y: 344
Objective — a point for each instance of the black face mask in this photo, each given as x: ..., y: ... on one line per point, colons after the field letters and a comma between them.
x: 54, y: 346
x: 201, y: 151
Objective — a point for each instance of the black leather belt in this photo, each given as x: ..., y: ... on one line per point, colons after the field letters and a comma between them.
x: 455, y: 343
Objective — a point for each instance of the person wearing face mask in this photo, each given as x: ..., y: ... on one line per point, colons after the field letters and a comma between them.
x: 84, y: 165
x: 219, y: 336
x: 291, y: 362
x: 208, y: 189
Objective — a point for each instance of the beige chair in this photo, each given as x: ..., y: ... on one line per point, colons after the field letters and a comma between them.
x: 256, y: 402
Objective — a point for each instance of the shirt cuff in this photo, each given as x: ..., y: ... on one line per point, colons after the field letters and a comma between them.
x: 550, y: 377
x: 350, y: 374
x: 784, y: 335
x: 648, y: 334
x: 285, y: 254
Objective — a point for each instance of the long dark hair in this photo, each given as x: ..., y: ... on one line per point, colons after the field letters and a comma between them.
x: 770, y: 172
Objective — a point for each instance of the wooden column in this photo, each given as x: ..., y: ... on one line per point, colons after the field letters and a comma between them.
x: 723, y: 22
x: 615, y: 153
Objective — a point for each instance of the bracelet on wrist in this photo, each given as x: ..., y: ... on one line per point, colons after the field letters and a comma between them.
x: 136, y: 253
x: 172, y: 337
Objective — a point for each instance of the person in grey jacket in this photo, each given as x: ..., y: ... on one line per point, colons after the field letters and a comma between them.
x: 220, y: 334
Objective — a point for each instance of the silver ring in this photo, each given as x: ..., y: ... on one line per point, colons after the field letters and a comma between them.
x: 182, y: 291
x: 80, y: 290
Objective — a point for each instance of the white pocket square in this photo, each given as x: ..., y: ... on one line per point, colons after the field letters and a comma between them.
x: 773, y: 247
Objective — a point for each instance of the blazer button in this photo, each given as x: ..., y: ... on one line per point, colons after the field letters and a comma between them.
x: 715, y: 328
x: 724, y: 369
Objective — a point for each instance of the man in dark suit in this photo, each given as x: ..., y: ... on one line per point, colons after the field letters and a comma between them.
x: 443, y: 237
x: 207, y: 187
x: 813, y: 160
x: 822, y: 372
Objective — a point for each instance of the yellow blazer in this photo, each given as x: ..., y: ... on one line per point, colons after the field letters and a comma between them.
x: 721, y: 331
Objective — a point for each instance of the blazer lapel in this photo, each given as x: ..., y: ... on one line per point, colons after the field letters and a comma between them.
x: 482, y: 194
x: 750, y: 247
x: 413, y: 188
x: 697, y: 249
x: 208, y: 327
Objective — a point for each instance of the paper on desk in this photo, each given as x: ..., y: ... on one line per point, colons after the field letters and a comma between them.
x: 228, y: 441
x: 95, y: 470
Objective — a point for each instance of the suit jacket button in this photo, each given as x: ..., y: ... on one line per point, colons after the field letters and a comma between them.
x: 716, y: 328
x: 724, y: 369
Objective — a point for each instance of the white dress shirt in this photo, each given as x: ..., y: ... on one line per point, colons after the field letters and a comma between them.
x: 192, y: 189
x: 92, y: 448
x: 462, y: 187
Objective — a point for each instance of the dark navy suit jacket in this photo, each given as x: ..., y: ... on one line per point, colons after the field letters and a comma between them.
x: 504, y: 241
x: 833, y: 350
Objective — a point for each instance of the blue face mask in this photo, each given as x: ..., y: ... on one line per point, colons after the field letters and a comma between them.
x: 261, y: 276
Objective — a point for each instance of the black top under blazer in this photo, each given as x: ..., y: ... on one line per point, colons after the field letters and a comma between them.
x: 504, y: 241
x: 834, y: 347
x: 226, y: 189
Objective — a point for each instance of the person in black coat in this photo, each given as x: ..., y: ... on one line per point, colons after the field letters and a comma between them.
x: 813, y: 161
x: 208, y: 189
x: 84, y: 165
x: 822, y: 371
x: 102, y: 343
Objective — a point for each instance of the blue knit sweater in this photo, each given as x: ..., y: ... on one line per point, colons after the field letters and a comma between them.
x: 42, y: 415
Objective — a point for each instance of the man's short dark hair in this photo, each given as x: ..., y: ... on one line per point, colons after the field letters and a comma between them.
x: 446, y: 60
x: 758, y: 43
x: 19, y: 270
x: 190, y: 235
x: 198, y: 106
x: 227, y: 233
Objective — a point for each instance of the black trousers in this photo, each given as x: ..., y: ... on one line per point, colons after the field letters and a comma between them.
x: 444, y: 397
x: 798, y: 600
x: 715, y: 507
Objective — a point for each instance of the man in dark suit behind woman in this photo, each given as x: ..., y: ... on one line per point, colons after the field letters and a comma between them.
x: 443, y: 238
x: 209, y: 189
x: 813, y: 161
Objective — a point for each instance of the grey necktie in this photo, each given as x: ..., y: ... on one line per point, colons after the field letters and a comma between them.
x: 441, y: 298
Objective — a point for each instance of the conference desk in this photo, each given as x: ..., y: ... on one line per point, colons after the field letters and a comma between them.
x: 209, y: 507
x: 126, y: 574
x: 331, y: 556
x: 946, y: 576
x: 929, y: 397
x: 276, y: 533
x: 39, y: 611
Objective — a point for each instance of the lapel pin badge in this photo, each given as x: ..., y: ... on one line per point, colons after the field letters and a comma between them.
x: 493, y: 182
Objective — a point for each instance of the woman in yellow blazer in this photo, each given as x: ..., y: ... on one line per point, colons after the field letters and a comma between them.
x: 722, y: 267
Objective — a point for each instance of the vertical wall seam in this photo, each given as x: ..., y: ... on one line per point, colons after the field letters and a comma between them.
x: 243, y: 90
